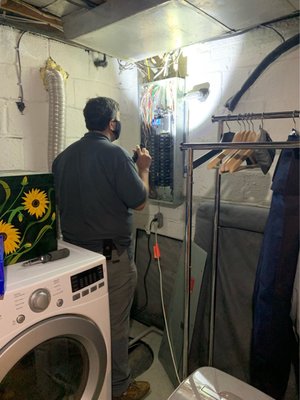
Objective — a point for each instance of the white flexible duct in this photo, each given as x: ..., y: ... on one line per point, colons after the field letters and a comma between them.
x: 57, y: 104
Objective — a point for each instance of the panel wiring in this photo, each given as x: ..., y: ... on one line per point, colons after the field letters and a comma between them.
x: 158, y: 67
x: 162, y: 122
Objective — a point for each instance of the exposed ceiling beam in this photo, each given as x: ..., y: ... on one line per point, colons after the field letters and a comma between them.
x: 28, y: 11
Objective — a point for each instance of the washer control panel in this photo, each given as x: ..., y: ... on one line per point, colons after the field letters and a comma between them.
x: 86, y: 278
x: 37, y: 293
x: 87, y: 282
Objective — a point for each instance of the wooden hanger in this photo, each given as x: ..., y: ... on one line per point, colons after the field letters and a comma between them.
x: 215, y: 161
x: 242, y: 154
x: 234, y: 154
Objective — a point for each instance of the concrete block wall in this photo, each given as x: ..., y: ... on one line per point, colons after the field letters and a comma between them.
x: 24, y: 137
x: 225, y: 64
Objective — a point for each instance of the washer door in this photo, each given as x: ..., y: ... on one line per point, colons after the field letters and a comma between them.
x: 63, y: 357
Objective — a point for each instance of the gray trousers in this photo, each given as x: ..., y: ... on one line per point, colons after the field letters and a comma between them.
x: 122, y: 279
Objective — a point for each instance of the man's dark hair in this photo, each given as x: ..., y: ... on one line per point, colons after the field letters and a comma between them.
x: 98, y: 112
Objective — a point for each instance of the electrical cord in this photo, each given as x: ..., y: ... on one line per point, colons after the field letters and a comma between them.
x: 157, y: 257
x: 20, y: 103
x: 275, y: 30
x: 141, y: 309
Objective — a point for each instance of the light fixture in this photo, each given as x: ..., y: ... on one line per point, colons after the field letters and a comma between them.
x: 199, y: 92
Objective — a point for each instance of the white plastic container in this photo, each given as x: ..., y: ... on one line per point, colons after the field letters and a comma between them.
x: 209, y: 383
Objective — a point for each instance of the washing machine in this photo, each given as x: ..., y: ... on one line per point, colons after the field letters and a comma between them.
x: 208, y: 383
x: 55, y: 330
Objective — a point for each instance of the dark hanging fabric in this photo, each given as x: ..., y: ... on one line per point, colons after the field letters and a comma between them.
x: 273, y: 340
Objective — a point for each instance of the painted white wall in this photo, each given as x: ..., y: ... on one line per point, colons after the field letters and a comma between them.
x: 24, y: 137
x: 225, y: 64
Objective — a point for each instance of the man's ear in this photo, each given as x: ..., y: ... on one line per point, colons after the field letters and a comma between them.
x: 111, y: 125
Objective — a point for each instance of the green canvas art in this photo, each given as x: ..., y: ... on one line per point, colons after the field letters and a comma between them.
x: 27, y: 216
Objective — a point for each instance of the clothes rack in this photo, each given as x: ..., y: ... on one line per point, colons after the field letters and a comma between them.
x: 190, y: 147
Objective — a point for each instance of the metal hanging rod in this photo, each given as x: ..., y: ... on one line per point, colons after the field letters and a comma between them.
x: 263, y: 115
x: 239, y: 145
x: 190, y: 147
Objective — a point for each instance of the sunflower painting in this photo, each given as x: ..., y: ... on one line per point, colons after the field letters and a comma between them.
x: 27, y: 216
x: 11, y: 237
x: 35, y: 202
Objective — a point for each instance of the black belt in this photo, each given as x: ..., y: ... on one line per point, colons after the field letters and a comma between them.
x: 108, y: 247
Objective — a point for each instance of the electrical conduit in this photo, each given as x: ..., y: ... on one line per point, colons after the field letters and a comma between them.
x: 268, y: 60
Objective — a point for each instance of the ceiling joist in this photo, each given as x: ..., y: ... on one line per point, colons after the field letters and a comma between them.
x: 28, y: 11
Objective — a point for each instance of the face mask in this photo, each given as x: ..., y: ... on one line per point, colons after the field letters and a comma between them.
x: 117, y: 130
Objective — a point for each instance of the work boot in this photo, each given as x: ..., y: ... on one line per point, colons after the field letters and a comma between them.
x: 137, y: 390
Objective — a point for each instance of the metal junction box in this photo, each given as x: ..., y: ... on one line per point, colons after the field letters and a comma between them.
x: 162, y: 132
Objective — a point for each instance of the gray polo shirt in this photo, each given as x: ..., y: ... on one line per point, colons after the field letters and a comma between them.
x: 97, y: 186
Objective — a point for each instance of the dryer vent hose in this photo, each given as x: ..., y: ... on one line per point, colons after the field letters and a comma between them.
x: 57, y: 104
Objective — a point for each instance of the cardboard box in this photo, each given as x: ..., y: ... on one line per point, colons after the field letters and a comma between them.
x: 27, y: 215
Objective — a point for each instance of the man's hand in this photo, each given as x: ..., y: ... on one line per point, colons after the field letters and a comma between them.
x: 144, y: 159
x: 143, y: 163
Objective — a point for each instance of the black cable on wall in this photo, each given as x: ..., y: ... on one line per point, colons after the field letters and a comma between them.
x: 269, y: 59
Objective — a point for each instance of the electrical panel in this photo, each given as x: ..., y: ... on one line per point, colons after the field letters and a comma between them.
x: 162, y: 132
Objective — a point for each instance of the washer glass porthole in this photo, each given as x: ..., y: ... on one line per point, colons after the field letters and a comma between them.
x: 56, y: 369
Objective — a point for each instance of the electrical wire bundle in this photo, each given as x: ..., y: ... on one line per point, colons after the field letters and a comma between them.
x: 154, y: 68
x: 157, y: 256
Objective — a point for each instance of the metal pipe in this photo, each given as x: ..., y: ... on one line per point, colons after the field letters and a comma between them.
x: 264, y: 115
x: 239, y: 145
x: 214, y: 266
x: 187, y: 263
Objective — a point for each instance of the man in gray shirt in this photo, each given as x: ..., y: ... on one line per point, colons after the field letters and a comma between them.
x: 97, y: 187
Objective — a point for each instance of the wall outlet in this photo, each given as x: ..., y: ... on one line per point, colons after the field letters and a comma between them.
x: 160, y: 219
